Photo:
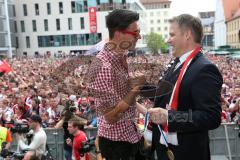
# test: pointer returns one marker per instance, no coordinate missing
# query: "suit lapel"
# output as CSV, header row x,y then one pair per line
x,y
170,77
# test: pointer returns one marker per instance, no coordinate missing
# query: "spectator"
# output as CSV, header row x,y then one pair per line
x,y
79,137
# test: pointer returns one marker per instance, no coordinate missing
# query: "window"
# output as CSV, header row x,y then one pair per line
x,y
36,54
85,4
239,36
48,8
14,11
45,24
151,14
70,23
24,9
15,26
79,6
82,23
36,9
25,54
159,28
58,24
17,45
73,7
60,7
68,40
151,21
152,29
34,25
165,28
27,42
158,21
22,26
165,21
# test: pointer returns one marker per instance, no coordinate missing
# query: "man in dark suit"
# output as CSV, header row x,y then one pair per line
x,y
193,107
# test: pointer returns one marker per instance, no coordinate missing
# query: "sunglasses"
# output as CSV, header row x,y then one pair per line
x,y
135,34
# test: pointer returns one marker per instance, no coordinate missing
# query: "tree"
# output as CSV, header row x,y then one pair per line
x,y
155,42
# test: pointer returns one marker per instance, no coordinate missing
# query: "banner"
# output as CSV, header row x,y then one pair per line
x,y
93,19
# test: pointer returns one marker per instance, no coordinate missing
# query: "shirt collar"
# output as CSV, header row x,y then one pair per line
x,y
184,56
113,55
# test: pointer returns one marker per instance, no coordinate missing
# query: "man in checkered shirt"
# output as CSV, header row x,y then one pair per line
x,y
114,91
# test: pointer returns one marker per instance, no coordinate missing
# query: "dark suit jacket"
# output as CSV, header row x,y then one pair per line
x,y
199,110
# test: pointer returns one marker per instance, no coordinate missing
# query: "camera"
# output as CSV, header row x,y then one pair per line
x,y
72,109
70,106
87,146
5,153
10,154
29,137
20,128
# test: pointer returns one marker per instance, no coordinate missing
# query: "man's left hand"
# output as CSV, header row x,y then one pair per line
x,y
158,115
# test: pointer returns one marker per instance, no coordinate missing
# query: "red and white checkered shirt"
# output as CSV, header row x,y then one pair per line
x,y
108,83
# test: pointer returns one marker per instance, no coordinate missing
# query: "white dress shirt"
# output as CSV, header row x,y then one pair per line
x,y
182,59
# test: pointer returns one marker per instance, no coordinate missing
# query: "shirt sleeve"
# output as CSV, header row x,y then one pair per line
x,y
103,89
94,122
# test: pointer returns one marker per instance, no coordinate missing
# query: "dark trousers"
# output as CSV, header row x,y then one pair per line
x,y
120,150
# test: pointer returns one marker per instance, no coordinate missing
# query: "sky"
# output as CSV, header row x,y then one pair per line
x,y
191,6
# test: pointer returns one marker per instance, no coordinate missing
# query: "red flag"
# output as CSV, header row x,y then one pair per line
x,y
5,67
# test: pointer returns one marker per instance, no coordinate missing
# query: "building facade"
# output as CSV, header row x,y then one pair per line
x,y
226,11
233,31
207,19
157,16
220,29
64,26
7,32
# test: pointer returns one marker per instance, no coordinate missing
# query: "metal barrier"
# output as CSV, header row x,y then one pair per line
x,y
224,142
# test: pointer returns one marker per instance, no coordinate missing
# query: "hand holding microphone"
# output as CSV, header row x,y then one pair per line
x,y
137,81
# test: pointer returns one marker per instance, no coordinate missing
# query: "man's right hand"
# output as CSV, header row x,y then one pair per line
x,y
69,142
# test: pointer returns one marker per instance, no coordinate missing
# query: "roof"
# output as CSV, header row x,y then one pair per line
x,y
154,1
230,8
237,14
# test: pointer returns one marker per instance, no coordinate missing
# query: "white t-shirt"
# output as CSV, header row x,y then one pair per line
x,y
38,143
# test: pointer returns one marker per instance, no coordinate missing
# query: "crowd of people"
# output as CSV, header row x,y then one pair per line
x,y
48,87
42,85
52,89
231,87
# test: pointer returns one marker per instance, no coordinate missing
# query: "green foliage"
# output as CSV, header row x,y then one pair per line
x,y
155,43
